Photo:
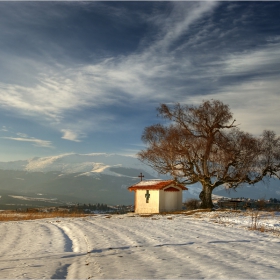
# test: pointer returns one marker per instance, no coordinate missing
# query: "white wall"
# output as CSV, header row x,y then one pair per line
x,y
171,201
142,206
160,201
180,200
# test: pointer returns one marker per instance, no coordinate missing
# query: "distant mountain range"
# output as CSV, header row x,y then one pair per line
x,y
88,164
89,178
70,178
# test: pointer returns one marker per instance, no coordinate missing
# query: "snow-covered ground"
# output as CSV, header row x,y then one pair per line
x,y
203,245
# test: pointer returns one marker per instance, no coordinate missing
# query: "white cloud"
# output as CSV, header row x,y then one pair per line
x,y
255,100
254,103
36,142
23,135
129,152
181,18
147,74
58,89
265,59
70,135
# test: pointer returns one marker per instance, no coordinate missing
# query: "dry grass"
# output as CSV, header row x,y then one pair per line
x,y
196,212
180,212
6,216
184,212
262,228
255,220
146,215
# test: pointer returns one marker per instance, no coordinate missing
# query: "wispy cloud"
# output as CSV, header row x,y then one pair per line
x,y
70,135
96,84
180,19
23,135
263,61
249,83
34,141
187,56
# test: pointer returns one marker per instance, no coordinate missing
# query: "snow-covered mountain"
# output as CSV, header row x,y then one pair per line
x,y
79,178
93,178
78,163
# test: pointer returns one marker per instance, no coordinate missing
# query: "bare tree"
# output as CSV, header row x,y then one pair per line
x,y
202,144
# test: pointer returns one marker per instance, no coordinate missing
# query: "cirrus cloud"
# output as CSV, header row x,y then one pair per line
x,y
34,141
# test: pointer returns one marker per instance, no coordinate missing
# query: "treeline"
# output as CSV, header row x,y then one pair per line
x,y
81,208
274,200
90,207
271,200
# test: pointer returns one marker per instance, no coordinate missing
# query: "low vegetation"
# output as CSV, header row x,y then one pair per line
x,y
192,204
20,216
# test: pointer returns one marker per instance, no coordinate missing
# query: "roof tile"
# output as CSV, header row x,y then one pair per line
x,y
155,185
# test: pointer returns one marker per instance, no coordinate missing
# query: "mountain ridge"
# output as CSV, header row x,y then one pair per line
x,y
77,163
79,178
95,178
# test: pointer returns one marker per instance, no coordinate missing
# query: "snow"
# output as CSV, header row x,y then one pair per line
x,y
203,245
33,198
148,183
78,163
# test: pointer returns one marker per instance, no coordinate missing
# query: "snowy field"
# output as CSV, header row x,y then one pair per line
x,y
203,245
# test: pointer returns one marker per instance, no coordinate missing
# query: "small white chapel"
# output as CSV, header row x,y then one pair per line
x,y
155,196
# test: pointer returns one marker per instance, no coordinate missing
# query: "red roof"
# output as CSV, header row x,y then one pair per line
x,y
171,189
155,185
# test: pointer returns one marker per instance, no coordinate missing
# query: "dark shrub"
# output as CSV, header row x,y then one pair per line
x,y
192,204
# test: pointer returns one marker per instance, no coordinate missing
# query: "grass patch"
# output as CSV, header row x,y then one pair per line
x,y
146,215
181,212
192,212
6,216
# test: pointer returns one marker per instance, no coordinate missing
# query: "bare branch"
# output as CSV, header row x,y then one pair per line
x,y
203,144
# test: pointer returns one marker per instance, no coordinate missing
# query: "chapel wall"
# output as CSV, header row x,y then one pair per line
x,y
161,201
152,206
170,201
179,200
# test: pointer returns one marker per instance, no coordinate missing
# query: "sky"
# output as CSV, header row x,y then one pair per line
x,y
87,77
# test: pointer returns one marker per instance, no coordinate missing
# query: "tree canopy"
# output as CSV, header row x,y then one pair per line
x,y
203,144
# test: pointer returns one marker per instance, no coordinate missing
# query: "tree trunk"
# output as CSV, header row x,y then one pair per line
x,y
206,197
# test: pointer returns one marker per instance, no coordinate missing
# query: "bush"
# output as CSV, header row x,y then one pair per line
x,y
192,204
261,204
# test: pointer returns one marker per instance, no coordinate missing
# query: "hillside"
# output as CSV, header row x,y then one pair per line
x,y
77,163
71,178
91,178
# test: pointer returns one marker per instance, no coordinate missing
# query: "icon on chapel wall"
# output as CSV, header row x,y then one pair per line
x,y
147,195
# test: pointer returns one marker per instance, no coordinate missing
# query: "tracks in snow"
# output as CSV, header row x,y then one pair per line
x,y
134,247
83,265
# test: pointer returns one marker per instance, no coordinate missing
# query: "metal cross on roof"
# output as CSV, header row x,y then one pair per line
x,y
141,176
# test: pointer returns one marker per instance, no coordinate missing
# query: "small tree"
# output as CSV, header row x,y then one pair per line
x,y
202,144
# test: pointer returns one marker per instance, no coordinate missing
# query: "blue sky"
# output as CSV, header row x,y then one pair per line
x,y
86,77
